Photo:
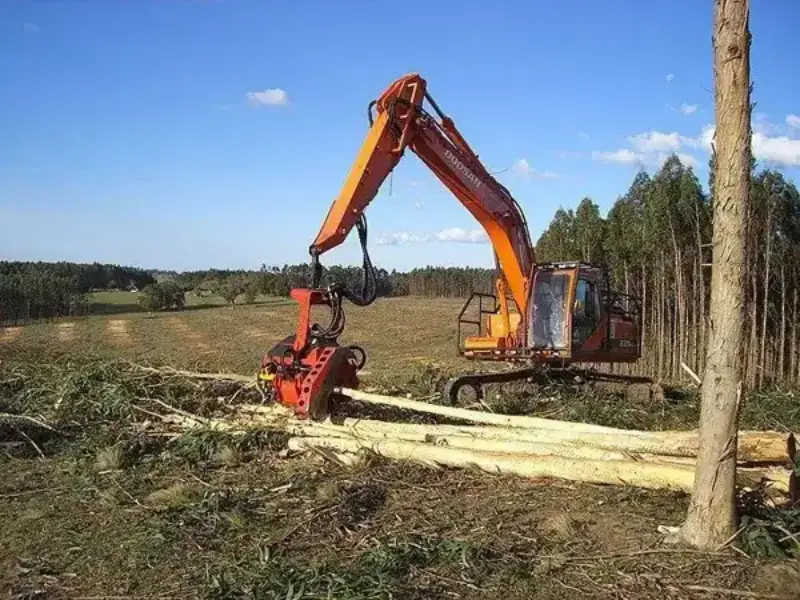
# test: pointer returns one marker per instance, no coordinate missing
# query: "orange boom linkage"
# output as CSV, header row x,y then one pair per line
x,y
302,370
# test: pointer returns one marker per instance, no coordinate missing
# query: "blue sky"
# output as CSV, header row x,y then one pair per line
x,y
185,135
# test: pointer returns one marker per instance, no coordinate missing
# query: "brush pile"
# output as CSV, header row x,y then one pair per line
x,y
167,402
521,445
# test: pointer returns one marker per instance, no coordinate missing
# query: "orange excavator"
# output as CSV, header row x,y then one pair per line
x,y
553,314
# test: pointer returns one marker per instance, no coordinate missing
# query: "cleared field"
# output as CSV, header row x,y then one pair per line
x,y
114,510
399,334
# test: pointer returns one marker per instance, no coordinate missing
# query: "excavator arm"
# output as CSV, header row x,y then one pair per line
x,y
401,123
302,370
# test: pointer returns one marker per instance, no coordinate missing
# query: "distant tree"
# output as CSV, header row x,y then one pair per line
x,y
165,295
251,289
232,288
207,287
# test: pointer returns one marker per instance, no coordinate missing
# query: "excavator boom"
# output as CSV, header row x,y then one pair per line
x,y
401,123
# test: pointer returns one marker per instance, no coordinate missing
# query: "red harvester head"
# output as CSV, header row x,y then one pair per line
x,y
301,371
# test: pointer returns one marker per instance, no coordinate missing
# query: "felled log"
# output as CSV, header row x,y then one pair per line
x,y
640,474
754,446
603,471
493,455
473,415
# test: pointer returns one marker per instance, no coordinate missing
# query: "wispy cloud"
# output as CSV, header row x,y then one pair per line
x,y
523,168
670,77
779,150
466,236
30,27
583,135
689,109
568,154
401,237
419,204
655,141
451,235
622,156
269,97
772,143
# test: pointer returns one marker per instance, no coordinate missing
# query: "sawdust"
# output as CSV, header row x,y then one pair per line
x,y
10,334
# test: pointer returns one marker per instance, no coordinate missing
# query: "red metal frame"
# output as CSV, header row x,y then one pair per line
x,y
303,370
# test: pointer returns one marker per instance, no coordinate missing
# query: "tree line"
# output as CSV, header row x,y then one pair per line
x,y
46,290
656,241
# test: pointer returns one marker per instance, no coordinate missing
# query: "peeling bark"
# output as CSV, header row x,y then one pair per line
x,y
711,518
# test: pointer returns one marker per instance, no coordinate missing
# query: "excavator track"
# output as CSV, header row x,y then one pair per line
x,y
542,373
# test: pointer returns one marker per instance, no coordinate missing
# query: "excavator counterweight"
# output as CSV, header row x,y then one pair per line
x,y
554,314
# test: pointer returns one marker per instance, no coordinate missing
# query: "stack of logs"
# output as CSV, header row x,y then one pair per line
x,y
521,445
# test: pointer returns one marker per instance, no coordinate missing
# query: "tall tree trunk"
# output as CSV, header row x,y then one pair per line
x,y
752,354
782,343
702,283
711,518
645,325
793,351
762,370
695,321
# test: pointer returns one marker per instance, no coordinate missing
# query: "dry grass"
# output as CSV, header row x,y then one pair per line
x,y
400,335
114,510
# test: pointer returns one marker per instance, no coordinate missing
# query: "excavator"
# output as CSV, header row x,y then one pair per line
x,y
551,315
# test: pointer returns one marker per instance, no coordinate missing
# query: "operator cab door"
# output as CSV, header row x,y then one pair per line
x,y
549,311
587,310
603,328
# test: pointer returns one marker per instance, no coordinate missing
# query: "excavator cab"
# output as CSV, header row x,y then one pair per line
x,y
573,316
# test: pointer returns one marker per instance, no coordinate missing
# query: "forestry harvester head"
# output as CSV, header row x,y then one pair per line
x,y
302,370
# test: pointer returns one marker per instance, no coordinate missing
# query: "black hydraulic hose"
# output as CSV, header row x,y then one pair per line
x,y
369,283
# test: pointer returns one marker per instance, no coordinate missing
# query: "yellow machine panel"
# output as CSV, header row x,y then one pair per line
x,y
496,328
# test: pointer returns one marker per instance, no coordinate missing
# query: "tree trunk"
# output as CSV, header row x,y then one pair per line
x,y
701,276
793,351
752,354
782,344
711,518
762,371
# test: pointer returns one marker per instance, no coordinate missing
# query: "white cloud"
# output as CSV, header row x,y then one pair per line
x,y
655,141
272,96
30,27
762,124
416,183
583,134
453,234
706,138
568,154
623,156
687,159
781,149
401,237
689,109
670,77
419,204
467,236
523,168
793,121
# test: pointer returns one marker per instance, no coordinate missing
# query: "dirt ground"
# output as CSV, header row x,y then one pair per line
x,y
105,510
